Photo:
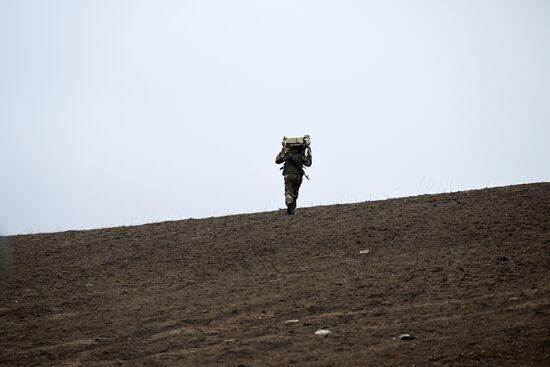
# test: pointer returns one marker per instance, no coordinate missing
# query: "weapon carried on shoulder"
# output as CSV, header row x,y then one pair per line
x,y
303,143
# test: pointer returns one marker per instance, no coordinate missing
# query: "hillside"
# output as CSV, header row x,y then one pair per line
x,y
467,274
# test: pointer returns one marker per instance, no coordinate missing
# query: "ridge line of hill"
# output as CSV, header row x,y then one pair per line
x,y
300,209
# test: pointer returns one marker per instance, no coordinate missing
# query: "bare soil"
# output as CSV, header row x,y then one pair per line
x,y
467,274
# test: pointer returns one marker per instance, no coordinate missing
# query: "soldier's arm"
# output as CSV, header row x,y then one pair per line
x,y
281,157
306,160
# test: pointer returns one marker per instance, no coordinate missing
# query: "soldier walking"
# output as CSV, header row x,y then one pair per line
x,y
295,154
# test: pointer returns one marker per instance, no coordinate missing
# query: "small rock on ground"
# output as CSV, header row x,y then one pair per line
x,y
406,337
322,332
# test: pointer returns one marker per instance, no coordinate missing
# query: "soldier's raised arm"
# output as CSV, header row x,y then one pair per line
x,y
306,159
281,157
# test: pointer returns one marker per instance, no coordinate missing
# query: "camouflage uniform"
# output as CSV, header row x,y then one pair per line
x,y
293,172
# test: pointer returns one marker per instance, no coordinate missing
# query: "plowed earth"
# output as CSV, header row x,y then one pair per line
x,y
467,274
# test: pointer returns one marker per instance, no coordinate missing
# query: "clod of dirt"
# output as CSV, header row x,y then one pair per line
x,y
322,332
406,337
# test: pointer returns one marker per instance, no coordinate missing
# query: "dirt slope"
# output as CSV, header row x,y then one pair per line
x,y
466,273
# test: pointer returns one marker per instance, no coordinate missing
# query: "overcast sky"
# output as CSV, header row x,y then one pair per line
x,y
118,112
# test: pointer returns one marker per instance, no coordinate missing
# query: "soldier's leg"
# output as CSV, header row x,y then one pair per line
x,y
296,183
289,197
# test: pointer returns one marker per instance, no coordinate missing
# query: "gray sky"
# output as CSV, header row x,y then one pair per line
x,y
125,112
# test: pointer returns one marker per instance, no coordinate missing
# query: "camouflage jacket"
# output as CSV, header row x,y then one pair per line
x,y
294,162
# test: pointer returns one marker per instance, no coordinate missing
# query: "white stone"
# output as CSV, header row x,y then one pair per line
x,y
322,332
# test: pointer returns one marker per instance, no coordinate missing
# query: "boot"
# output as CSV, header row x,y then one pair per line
x,y
290,209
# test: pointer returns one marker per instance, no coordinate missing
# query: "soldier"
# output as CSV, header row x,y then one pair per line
x,y
295,157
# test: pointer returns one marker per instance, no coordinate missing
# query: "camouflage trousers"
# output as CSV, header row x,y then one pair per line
x,y
292,188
